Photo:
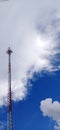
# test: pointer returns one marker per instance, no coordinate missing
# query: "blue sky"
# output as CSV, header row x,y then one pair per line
x,y
27,113
32,29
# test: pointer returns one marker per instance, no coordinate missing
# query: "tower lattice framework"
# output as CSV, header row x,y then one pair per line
x,y
9,115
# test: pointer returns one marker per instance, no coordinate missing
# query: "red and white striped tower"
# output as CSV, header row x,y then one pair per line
x,y
9,120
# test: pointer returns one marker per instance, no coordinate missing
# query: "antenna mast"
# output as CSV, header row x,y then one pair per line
x,y
9,120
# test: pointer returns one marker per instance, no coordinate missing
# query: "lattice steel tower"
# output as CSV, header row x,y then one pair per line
x,y
9,117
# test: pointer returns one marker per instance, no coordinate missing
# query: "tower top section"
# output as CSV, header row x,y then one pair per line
x,y
9,51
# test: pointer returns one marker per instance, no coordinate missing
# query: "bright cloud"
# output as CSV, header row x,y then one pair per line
x,y
51,109
32,30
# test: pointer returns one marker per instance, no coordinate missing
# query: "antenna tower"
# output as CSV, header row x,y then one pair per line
x,y
9,118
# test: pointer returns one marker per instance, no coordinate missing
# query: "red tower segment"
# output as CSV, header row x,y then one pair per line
x,y
10,126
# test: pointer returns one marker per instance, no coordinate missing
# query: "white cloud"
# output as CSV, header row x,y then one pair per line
x,y
31,29
51,109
